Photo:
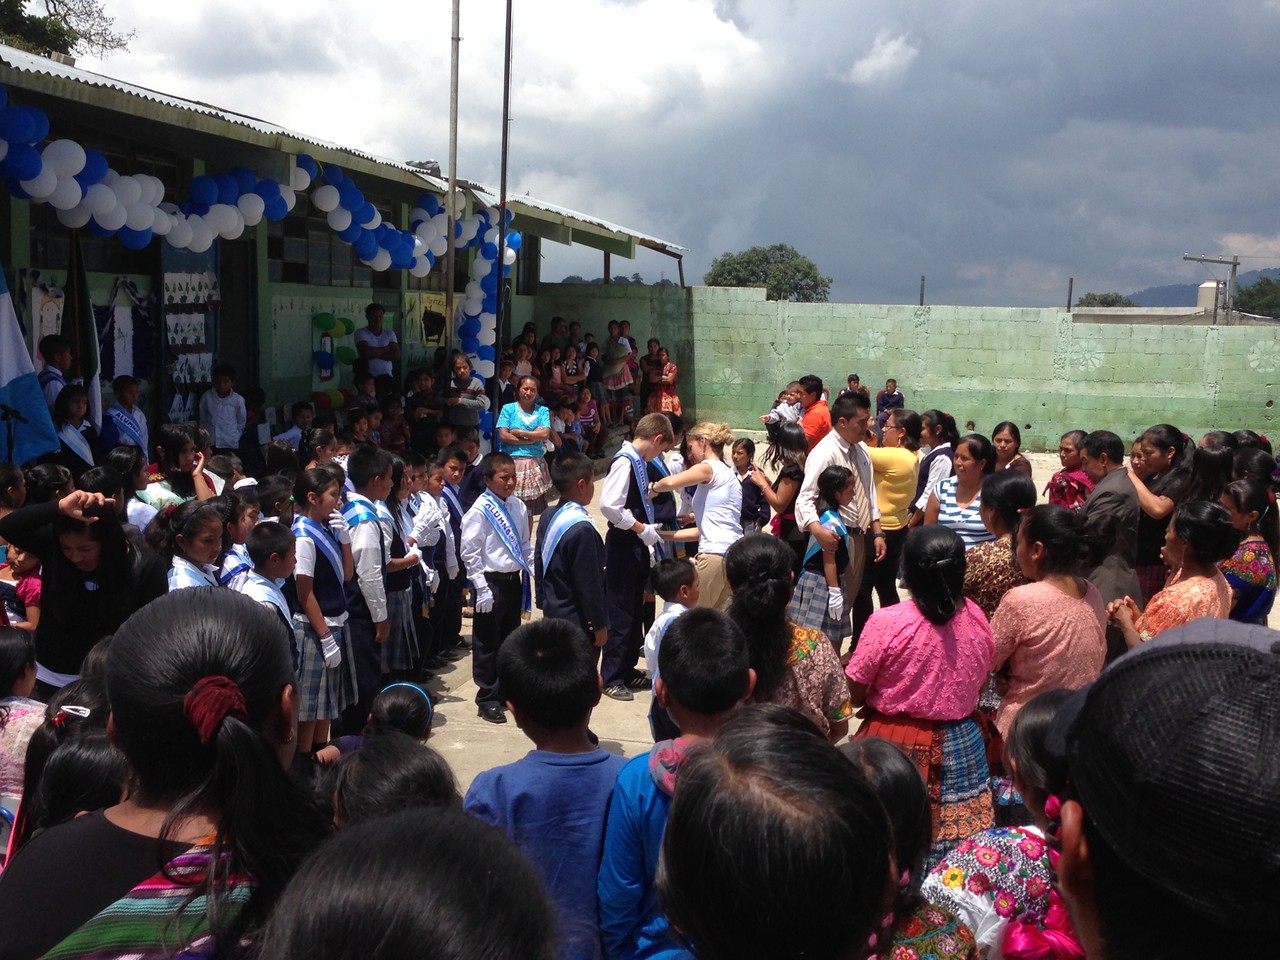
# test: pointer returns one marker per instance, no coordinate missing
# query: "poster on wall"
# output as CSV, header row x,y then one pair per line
x,y
190,302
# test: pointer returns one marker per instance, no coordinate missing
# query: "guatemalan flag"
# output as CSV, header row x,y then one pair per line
x,y
20,390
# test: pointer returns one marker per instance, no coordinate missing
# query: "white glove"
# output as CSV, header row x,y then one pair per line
x,y
432,577
415,553
835,603
649,535
484,600
332,652
338,527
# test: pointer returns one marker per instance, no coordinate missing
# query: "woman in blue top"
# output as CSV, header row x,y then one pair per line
x,y
957,501
523,429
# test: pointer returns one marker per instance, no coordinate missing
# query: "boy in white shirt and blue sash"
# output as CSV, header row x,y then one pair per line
x,y
124,422
272,549
498,555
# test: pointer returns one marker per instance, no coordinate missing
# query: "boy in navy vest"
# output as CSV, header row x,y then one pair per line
x,y
569,559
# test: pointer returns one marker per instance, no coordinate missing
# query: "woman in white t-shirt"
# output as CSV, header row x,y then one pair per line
x,y
717,508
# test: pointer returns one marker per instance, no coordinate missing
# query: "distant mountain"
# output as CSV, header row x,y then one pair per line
x,y
1184,294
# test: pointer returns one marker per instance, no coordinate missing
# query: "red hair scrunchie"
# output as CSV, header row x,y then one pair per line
x,y
210,702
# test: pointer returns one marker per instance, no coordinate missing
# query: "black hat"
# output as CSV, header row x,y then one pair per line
x,y
1174,753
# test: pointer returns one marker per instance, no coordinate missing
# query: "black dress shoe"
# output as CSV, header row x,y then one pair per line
x,y
450,656
493,712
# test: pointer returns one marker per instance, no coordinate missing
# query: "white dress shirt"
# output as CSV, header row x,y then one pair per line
x,y
484,551
223,417
833,451
613,492
371,551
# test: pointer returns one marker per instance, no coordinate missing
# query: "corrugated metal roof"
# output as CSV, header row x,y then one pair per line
x,y
24,62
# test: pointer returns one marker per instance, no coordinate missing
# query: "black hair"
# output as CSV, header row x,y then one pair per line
x,y
905,798
933,564
301,406
281,459
436,884
127,460
466,435
747,444
945,423
703,661
1251,440
83,773
776,846
316,480
62,404
980,448
1210,472
391,772
1075,436
1207,529
366,463
911,425
388,401
224,465
811,384
44,480
1053,525
1173,481
1012,429
157,659
124,382
1101,442
17,656
491,463
51,344
568,468
1040,772
104,480
401,706
758,568
1218,439
668,576
10,476
171,440
1008,493
847,407
1253,463
273,491
186,520
269,539
454,452
830,482
397,481
787,445
224,370
94,665
1250,495
546,668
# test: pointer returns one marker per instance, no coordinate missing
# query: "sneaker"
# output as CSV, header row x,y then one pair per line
x,y
618,691
637,681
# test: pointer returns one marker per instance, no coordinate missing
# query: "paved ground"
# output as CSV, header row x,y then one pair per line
x,y
472,745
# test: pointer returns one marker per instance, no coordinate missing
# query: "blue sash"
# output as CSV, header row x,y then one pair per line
x,y
641,475
127,425
259,588
568,515
235,563
49,374
455,505
306,527
357,512
831,520
495,511
183,573
76,442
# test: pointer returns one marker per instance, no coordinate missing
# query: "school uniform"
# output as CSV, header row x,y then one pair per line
x,y
236,567
422,521
319,556
568,567
261,590
498,556
471,485
183,573
51,380
400,649
121,426
80,448
623,502
661,726
292,436
446,612
366,603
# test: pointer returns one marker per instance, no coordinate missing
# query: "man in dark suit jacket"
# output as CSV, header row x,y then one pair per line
x,y
1108,522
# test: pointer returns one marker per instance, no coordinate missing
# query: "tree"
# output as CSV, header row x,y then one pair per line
x,y
1262,298
69,26
785,273
1104,300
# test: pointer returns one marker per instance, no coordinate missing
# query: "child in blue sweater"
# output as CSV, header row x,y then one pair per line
x,y
552,803
703,677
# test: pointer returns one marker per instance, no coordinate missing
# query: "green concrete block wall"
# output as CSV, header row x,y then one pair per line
x,y
981,364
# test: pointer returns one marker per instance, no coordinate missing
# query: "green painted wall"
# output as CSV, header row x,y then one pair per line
x,y
983,364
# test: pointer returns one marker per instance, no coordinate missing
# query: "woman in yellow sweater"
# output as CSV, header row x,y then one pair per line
x,y
897,463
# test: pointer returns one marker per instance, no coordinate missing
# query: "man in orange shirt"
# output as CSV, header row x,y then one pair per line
x,y
816,418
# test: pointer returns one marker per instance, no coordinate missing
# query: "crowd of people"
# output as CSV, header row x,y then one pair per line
x,y
215,718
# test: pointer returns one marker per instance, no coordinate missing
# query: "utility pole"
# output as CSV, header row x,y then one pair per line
x,y
1234,264
450,257
1071,282
922,289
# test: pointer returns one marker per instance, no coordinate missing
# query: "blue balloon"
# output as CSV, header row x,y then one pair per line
x,y
382,231
490,283
204,190
95,168
333,175
246,179
513,241
98,230
268,190
307,163
470,344
350,197
457,229
351,234
430,203
469,327
134,239
366,245
431,259
366,212
490,303
15,188
276,209
4,98
228,189
23,161
489,251
16,125
39,121
323,359
200,209
487,353
506,270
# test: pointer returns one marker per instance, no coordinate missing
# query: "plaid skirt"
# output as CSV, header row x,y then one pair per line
x,y
952,757
533,479
808,608
318,685
400,649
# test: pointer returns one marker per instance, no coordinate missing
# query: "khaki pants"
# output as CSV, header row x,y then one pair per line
x,y
858,544
713,585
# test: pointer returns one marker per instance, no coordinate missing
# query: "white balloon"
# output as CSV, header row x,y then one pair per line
x,y
113,219
251,207
180,233
508,256
480,268
162,225
381,260
418,215
421,267
325,198
66,194
299,179
75,218
373,222
441,221
155,194
140,217
170,208
459,203
472,291
488,321
42,184
439,247
427,232
65,156
470,227
339,219
110,177
472,307
491,235
290,198
484,367
487,336
235,227
128,191
418,247
215,217
201,235
100,198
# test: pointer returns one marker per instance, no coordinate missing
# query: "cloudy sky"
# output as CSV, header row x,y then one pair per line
x,y
997,146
